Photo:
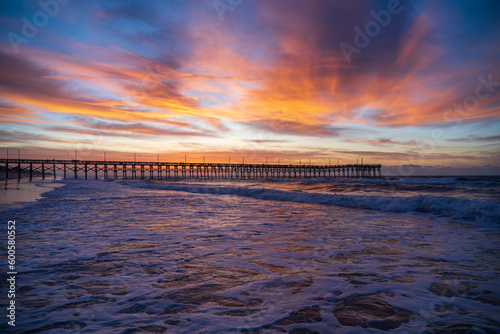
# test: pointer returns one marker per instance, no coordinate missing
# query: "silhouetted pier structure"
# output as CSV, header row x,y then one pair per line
x,y
167,170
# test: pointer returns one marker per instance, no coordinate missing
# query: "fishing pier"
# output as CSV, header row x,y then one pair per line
x,y
13,168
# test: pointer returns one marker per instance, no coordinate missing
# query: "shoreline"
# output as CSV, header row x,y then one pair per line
x,y
206,262
22,191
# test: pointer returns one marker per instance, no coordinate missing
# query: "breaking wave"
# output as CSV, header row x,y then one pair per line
x,y
477,210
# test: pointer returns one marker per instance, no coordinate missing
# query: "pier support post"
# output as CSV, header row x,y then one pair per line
x,y
193,170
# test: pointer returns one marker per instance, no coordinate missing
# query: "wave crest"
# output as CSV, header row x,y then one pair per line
x,y
476,210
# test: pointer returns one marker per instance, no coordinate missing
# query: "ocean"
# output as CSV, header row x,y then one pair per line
x,y
398,255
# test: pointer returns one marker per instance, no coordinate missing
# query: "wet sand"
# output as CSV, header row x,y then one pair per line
x,y
24,191
126,261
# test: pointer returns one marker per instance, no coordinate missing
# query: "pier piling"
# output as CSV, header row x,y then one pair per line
x,y
196,170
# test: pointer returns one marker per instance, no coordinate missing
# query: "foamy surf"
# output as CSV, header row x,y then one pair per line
x,y
475,210
237,257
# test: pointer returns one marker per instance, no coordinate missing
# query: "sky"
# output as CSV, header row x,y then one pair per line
x,y
413,84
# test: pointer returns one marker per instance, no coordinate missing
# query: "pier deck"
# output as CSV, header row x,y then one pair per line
x,y
164,170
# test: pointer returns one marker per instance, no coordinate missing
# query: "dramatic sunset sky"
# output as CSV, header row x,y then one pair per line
x,y
414,84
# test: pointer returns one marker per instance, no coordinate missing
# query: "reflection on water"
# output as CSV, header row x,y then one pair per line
x,y
107,257
23,191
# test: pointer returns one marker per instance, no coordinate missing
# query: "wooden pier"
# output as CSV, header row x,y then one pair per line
x,y
167,170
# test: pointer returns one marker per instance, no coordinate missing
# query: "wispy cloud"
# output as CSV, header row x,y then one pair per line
x,y
167,70
295,128
476,139
387,141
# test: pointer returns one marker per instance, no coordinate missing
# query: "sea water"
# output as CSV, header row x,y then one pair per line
x,y
402,255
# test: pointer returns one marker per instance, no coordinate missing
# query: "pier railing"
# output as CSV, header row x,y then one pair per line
x,y
164,170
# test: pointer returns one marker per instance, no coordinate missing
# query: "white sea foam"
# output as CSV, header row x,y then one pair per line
x,y
476,210
401,180
114,256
